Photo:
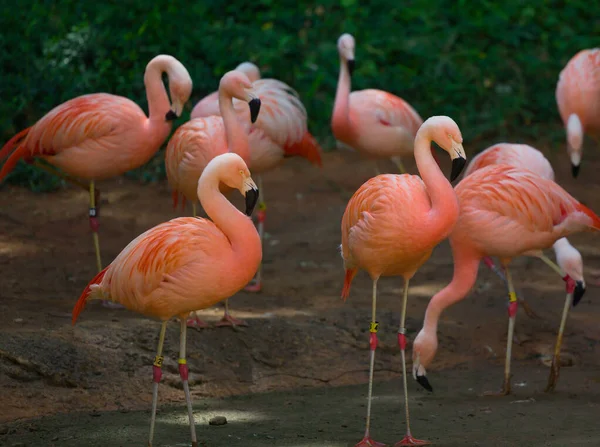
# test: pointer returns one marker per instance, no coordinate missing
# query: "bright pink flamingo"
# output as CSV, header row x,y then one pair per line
x,y
279,132
186,264
392,224
374,122
209,105
504,212
197,142
578,99
570,262
99,135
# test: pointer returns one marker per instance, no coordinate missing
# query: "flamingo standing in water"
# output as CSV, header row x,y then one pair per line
x,y
374,122
392,224
570,262
578,99
280,132
186,264
209,105
99,135
504,212
197,142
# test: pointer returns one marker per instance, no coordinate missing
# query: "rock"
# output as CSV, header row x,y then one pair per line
x,y
218,420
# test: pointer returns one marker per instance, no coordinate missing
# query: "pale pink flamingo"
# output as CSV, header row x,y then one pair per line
x,y
504,212
100,135
392,224
279,132
570,262
209,105
376,123
578,99
197,142
186,264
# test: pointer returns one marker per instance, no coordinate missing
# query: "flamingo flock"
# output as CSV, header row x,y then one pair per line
x,y
507,205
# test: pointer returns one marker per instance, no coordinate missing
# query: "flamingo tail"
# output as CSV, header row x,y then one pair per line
x,y
350,273
18,154
12,143
81,302
307,148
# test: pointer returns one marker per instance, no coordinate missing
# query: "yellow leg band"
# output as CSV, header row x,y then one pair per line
x,y
158,361
182,361
374,327
512,297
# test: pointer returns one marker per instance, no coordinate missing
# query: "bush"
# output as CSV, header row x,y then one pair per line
x,y
492,66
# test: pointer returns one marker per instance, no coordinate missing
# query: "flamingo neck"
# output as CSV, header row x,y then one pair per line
x,y
340,122
237,135
158,100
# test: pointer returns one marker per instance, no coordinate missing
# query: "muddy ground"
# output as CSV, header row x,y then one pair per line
x,y
297,375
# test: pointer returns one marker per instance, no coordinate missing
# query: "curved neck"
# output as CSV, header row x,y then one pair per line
x,y
233,223
340,121
466,266
237,135
158,100
444,204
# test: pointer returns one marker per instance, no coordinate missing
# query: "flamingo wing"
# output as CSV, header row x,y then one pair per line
x,y
386,109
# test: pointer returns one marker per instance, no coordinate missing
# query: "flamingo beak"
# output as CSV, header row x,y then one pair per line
x,y
251,195
575,170
420,375
254,105
170,116
351,65
459,159
578,292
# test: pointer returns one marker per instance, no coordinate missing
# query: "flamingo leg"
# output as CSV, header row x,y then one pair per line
x,y
373,327
51,170
408,438
156,375
194,214
256,283
512,316
228,320
555,367
183,372
398,162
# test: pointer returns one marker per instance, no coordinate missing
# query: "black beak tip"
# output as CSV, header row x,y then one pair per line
x,y
351,65
575,170
424,383
171,116
251,199
458,165
578,292
254,109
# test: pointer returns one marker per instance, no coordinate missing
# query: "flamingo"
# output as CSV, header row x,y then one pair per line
x,y
504,212
197,142
570,262
209,105
374,122
99,135
185,264
578,100
392,224
280,132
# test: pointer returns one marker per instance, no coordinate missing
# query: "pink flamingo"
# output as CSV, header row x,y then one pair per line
x,y
99,135
374,122
570,262
392,224
186,264
578,99
209,105
504,212
280,132
197,142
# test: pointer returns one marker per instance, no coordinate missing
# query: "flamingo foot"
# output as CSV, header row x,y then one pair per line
x,y
368,442
553,377
197,323
112,305
228,320
409,440
505,391
254,286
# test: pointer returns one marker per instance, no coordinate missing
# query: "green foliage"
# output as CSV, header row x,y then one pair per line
x,y
492,66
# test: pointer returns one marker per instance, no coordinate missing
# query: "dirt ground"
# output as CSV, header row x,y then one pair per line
x,y
297,375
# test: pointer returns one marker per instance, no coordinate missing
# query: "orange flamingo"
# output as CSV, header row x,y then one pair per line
x,y
578,99
375,123
197,142
186,264
392,224
209,105
99,135
280,132
504,212
568,258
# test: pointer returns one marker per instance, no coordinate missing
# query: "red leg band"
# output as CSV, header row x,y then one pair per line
x,y
570,284
156,373
373,341
402,341
512,308
183,371
261,215
94,224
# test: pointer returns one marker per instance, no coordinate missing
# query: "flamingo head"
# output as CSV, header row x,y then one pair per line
x,y
234,173
237,85
345,46
180,88
574,142
423,352
570,261
445,132
250,70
